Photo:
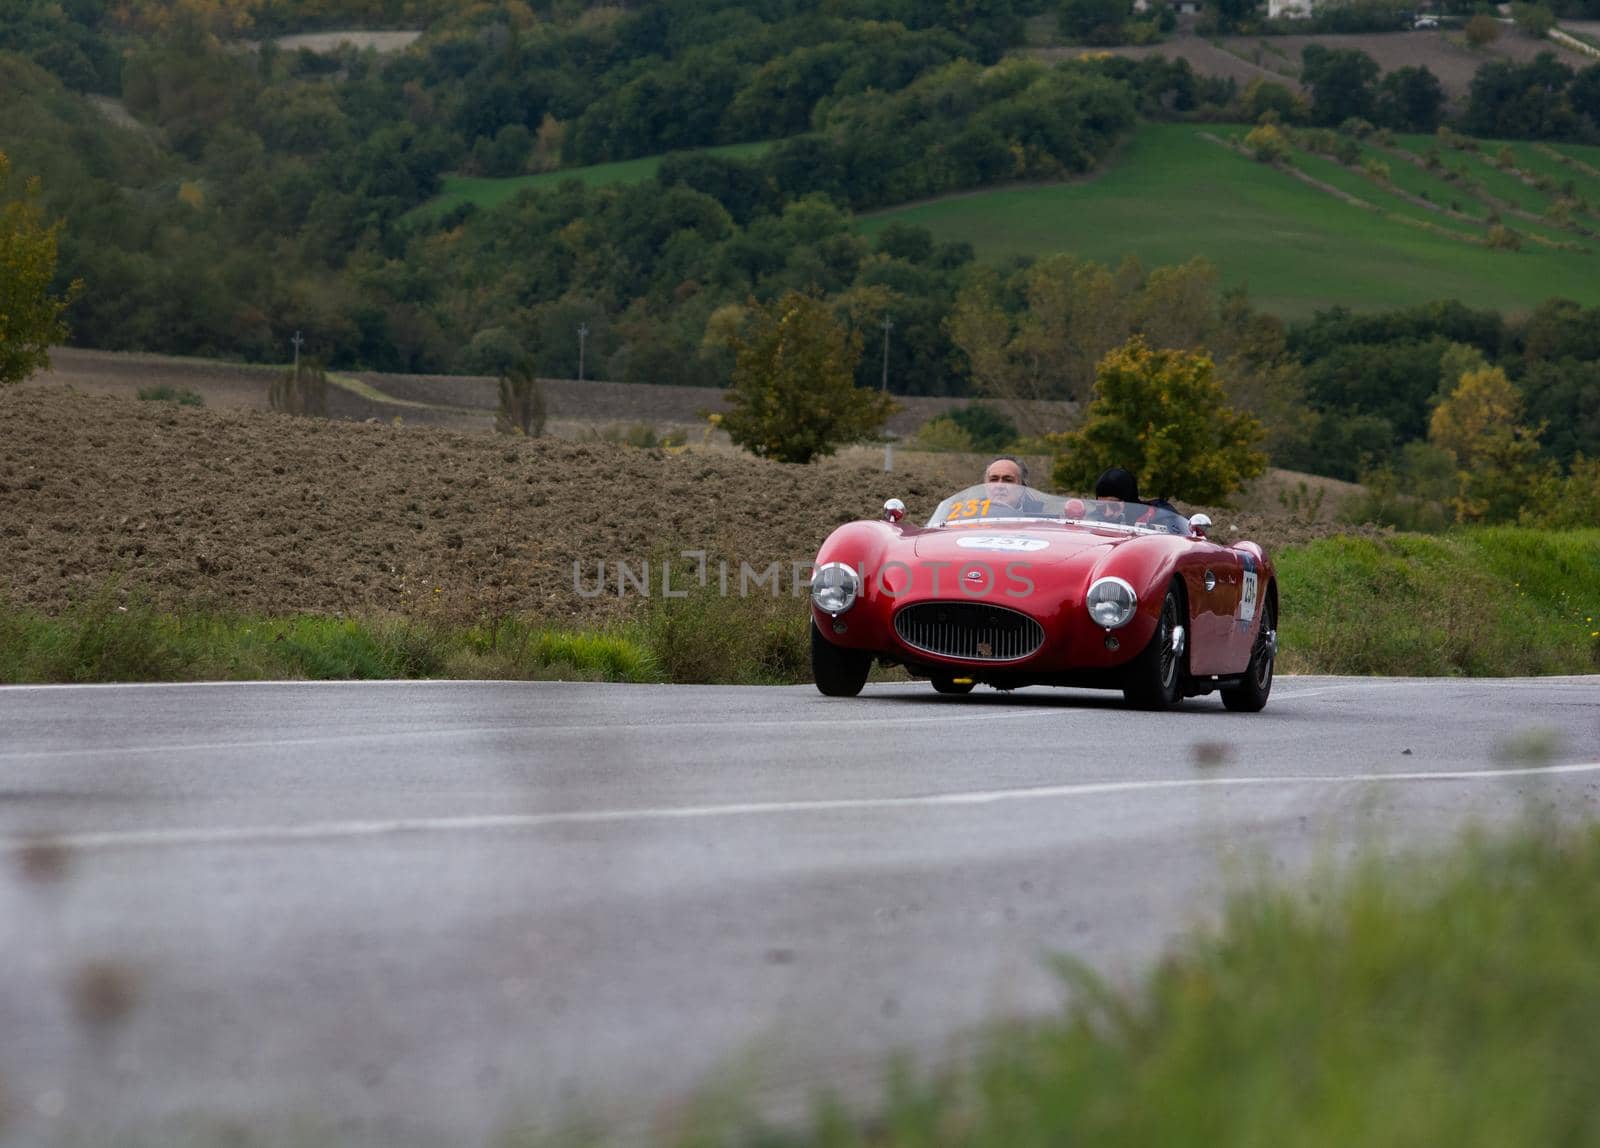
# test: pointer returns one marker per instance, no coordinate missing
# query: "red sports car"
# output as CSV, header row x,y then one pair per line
x,y
1010,587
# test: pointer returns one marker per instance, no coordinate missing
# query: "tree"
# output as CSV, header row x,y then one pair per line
x,y
30,316
1409,100
1482,30
1340,80
1584,93
1094,21
1533,20
793,395
1164,416
1497,459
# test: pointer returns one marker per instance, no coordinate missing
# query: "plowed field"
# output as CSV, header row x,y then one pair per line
x,y
245,511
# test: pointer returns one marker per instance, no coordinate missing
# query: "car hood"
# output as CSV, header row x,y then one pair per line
x,y
1051,546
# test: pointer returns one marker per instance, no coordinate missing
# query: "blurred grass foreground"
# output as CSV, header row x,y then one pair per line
x,y
1447,1001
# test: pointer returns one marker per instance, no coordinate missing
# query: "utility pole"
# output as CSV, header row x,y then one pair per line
x,y
297,340
583,336
888,325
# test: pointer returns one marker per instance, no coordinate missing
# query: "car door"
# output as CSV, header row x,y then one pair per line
x,y
1216,583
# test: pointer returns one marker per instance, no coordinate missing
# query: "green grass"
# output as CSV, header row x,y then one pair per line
x,y
101,641
1501,601
484,192
1446,1000
1170,195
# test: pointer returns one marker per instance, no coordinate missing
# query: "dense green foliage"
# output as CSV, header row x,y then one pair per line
x,y
30,315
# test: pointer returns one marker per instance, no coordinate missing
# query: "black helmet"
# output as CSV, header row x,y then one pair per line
x,y
1114,482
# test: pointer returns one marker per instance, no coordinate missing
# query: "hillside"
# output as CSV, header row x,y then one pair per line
x,y
1173,194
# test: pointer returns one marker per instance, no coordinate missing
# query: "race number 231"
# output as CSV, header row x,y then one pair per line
x,y
971,508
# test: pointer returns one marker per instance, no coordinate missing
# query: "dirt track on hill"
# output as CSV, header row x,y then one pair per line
x,y
454,402
1277,58
261,513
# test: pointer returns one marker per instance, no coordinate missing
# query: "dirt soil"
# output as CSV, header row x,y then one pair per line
x,y
1443,52
239,510
457,402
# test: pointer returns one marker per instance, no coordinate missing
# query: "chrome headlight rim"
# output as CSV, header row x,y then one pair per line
x,y
1116,593
835,586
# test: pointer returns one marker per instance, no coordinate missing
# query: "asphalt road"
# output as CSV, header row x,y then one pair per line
x,y
426,913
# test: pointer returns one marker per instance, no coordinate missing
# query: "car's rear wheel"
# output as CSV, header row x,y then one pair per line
x,y
838,672
947,685
1155,679
1251,695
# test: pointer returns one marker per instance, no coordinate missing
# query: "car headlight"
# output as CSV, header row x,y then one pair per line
x,y
1111,603
834,587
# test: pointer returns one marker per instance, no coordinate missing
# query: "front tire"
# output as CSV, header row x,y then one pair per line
x,y
1250,696
1155,679
838,672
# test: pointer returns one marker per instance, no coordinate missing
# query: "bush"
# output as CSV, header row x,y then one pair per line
x,y
989,429
1502,238
522,403
170,394
942,435
301,390
1267,143
1482,30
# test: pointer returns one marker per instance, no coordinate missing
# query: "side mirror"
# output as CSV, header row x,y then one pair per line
x,y
1200,523
894,510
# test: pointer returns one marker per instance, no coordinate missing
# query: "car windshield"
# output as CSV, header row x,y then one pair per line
x,y
993,501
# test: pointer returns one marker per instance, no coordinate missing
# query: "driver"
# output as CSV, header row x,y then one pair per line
x,y
1007,479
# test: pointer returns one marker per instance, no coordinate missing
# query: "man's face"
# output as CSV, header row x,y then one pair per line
x,y
1005,481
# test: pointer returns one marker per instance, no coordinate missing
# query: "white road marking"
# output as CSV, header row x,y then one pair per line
x,y
266,834
586,729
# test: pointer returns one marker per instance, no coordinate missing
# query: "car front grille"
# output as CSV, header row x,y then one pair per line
x,y
974,631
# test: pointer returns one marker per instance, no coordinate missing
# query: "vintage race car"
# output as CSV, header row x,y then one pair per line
x,y
1009,586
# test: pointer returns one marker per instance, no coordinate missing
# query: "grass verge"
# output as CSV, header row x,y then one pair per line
x,y
1448,1000
1501,601
100,641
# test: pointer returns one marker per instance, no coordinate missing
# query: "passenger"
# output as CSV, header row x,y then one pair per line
x,y
1118,492
1118,489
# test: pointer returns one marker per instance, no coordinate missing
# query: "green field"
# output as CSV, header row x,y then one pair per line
x,y
1171,195
485,192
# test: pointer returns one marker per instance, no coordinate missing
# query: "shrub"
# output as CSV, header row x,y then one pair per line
x,y
989,428
1502,238
301,390
1482,30
942,435
169,394
522,403
1267,143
